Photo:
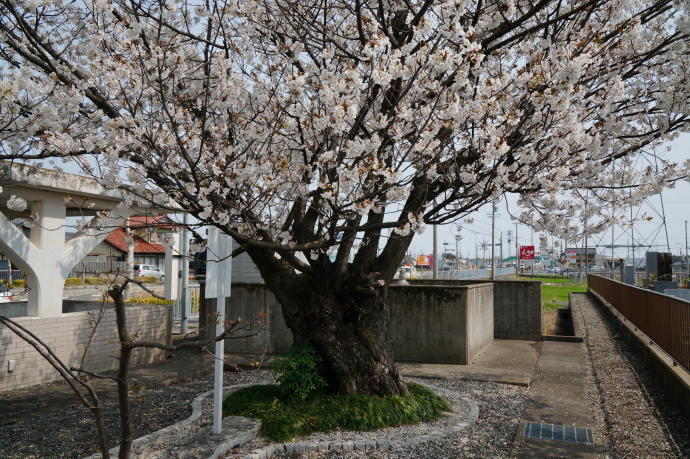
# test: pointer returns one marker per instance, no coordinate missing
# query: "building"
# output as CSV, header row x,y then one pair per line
x,y
146,231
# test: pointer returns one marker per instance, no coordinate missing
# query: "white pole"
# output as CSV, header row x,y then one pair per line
x,y
493,240
221,250
185,277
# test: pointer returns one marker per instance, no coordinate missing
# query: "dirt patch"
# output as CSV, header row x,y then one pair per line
x,y
548,321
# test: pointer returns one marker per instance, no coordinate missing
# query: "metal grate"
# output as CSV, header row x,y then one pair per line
x,y
558,433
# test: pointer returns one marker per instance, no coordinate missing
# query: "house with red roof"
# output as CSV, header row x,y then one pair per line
x,y
146,250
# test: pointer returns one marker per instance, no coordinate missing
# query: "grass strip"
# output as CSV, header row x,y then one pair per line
x,y
553,294
326,411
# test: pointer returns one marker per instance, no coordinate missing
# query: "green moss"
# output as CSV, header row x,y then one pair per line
x,y
324,411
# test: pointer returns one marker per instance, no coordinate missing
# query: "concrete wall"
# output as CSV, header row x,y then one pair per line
x,y
66,335
439,325
14,309
517,305
450,325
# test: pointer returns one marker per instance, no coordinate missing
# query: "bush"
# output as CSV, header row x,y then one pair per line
x,y
282,422
72,281
148,300
147,279
297,372
19,283
97,281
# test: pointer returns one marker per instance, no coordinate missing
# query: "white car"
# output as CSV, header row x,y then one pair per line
x,y
148,270
410,272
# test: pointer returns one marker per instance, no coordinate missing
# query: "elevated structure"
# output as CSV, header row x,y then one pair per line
x,y
38,245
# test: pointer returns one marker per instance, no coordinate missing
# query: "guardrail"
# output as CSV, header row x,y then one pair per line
x,y
465,273
664,319
16,275
192,305
97,267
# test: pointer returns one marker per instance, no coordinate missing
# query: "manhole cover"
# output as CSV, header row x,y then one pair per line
x,y
558,433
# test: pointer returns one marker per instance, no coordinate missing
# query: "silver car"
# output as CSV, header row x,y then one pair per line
x,y
148,270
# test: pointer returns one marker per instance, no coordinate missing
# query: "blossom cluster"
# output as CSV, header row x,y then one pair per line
x,y
266,116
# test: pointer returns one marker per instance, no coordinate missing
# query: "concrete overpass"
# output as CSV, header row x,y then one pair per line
x,y
41,250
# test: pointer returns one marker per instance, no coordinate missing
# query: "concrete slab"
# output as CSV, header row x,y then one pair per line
x,y
558,396
504,361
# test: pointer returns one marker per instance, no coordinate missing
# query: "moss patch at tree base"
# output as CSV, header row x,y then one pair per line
x,y
325,411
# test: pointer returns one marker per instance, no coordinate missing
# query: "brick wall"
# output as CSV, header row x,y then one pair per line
x,y
67,335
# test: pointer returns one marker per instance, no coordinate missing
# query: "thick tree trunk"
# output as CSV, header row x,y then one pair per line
x,y
351,331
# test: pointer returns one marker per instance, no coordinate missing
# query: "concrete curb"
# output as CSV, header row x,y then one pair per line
x,y
281,449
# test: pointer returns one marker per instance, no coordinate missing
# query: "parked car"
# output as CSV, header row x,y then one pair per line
x,y
148,270
410,272
5,294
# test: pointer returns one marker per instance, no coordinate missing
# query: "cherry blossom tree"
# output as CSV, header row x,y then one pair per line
x,y
312,131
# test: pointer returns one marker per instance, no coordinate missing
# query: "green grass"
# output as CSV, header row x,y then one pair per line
x,y
552,294
325,411
552,280
555,290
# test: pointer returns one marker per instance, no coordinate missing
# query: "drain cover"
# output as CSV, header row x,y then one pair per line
x,y
558,433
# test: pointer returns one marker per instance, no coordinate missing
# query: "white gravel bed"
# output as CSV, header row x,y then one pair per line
x,y
491,435
634,417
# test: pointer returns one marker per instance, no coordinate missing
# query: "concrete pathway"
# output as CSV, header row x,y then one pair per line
x,y
558,397
558,403
504,361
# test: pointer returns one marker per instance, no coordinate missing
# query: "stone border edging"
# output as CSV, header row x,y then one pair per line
x,y
302,447
281,449
197,410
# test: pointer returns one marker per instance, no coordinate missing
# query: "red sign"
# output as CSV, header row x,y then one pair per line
x,y
526,252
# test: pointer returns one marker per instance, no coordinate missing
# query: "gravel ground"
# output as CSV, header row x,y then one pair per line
x,y
70,433
635,418
628,404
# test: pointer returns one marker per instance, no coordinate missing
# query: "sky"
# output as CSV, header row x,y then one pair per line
x,y
676,208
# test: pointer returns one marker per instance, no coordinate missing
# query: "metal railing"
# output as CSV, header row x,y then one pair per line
x,y
192,305
98,267
664,319
16,275
465,273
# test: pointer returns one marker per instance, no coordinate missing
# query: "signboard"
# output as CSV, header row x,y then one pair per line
x,y
423,260
527,254
571,255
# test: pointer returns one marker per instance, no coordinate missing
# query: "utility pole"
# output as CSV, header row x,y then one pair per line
x,y
501,262
686,247
476,253
493,240
517,252
613,259
457,253
435,253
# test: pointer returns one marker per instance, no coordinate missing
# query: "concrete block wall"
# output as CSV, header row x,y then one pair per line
x,y
66,336
517,305
448,325
439,325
